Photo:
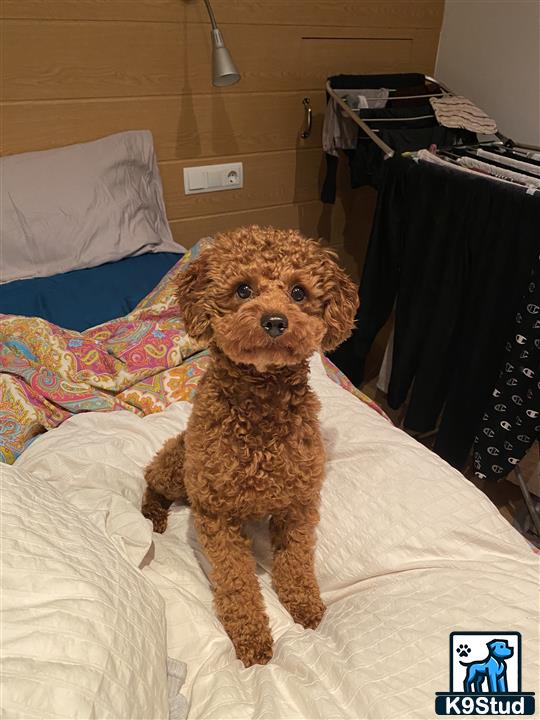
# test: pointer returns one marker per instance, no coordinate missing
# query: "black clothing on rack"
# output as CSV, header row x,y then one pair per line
x,y
420,116
511,422
453,251
373,82
409,134
405,83
367,160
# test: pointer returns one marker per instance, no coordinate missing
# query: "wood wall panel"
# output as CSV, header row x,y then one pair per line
x,y
344,229
183,126
306,215
76,70
269,179
189,230
345,13
70,59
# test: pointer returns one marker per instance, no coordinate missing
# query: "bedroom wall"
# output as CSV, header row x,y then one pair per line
x,y
490,52
75,70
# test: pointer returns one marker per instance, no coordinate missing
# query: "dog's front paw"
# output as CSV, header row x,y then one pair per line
x,y
155,511
308,613
253,648
159,522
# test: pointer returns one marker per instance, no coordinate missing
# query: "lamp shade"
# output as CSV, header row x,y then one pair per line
x,y
224,70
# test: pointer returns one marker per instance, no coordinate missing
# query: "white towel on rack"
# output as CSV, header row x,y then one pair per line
x,y
455,111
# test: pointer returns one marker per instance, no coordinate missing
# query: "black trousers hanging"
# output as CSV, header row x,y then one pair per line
x,y
453,252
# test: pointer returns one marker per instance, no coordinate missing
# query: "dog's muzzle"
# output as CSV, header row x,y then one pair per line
x,y
275,325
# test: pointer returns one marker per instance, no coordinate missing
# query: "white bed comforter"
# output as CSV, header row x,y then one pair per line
x,y
408,551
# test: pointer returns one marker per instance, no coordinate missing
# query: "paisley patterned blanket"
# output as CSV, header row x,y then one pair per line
x,y
141,362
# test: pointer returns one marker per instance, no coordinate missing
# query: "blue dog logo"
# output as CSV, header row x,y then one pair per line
x,y
485,676
492,669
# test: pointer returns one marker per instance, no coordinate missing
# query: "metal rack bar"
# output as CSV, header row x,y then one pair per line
x,y
398,119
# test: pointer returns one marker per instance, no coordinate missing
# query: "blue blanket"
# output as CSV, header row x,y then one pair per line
x,y
80,299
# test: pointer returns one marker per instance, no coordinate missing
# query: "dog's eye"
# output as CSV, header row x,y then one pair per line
x,y
298,293
244,291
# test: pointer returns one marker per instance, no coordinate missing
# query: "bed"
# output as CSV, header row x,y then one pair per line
x,y
104,619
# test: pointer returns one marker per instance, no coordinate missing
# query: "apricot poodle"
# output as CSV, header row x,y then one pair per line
x,y
264,301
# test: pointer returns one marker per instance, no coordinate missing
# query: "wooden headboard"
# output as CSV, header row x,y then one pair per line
x,y
75,70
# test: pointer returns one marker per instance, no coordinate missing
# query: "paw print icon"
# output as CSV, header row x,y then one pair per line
x,y
463,650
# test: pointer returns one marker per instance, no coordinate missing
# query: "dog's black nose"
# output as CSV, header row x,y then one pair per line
x,y
274,325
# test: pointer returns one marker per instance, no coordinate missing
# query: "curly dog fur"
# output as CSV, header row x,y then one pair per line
x,y
252,447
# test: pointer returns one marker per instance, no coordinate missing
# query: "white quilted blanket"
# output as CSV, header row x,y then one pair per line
x,y
408,551
83,636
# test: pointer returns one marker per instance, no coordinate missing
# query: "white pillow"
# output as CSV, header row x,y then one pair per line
x,y
80,206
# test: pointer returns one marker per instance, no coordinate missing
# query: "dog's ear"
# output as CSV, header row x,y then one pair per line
x,y
192,297
341,304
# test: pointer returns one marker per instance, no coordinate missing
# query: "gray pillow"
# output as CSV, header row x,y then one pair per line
x,y
80,206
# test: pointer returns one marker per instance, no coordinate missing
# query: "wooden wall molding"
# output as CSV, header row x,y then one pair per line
x,y
346,13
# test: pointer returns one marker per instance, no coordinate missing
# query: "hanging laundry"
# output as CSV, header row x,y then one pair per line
x,y
511,421
455,111
498,172
453,251
520,165
398,111
340,132
475,168
374,98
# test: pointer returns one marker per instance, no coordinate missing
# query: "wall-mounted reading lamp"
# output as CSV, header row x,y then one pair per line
x,y
224,70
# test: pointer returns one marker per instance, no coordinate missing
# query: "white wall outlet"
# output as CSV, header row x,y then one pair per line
x,y
210,178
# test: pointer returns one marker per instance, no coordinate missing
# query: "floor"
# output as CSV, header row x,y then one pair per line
x,y
504,494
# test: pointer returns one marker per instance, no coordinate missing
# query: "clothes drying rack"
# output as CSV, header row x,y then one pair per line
x,y
497,139
388,152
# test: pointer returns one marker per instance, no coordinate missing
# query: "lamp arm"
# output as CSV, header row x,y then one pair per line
x,y
211,14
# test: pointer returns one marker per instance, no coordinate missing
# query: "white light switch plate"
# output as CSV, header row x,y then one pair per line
x,y
211,178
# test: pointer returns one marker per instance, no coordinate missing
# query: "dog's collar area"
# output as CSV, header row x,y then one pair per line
x,y
247,372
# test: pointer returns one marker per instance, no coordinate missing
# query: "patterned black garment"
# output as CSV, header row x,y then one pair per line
x,y
511,422
453,253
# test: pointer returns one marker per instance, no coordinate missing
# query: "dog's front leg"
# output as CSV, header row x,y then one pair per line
x,y
237,595
293,570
